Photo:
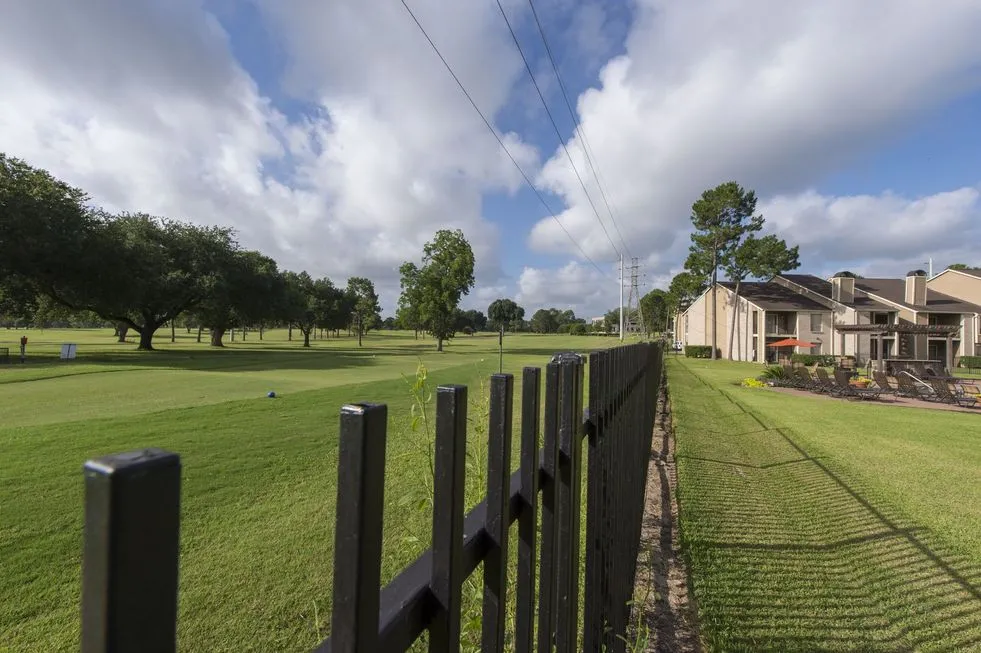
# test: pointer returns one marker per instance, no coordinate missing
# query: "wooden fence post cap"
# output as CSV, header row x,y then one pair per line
x,y
132,462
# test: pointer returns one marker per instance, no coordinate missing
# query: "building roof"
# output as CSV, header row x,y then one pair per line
x,y
823,288
773,297
974,272
894,290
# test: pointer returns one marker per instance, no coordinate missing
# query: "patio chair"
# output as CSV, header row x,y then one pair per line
x,y
913,388
806,381
847,390
948,396
827,384
882,380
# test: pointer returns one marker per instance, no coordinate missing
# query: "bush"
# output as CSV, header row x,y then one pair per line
x,y
753,383
700,351
973,362
811,359
578,329
774,372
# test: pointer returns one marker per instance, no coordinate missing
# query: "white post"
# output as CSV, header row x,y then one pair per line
x,y
621,297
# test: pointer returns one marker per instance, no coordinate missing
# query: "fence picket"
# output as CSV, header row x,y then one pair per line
x,y
498,477
358,534
568,511
448,486
549,546
130,552
527,522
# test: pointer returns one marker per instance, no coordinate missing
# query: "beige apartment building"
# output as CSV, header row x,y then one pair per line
x,y
809,308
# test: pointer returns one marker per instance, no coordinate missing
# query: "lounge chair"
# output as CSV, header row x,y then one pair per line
x,y
948,396
805,381
827,384
847,390
882,380
910,386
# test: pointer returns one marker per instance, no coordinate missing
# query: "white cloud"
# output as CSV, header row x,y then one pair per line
x,y
578,286
882,235
771,93
143,105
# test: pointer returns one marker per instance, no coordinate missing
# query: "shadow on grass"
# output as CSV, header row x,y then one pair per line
x,y
788,555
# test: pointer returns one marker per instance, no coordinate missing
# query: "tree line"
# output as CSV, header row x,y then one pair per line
x,y
63,259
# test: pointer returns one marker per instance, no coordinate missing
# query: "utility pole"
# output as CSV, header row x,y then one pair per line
x,y
621,297
634,322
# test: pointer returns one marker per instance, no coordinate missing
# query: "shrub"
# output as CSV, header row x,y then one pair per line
x,y
811,359
578,329
972,362
774,372
699,351
752,383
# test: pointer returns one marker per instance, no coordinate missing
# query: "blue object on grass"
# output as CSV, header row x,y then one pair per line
x,y
271,394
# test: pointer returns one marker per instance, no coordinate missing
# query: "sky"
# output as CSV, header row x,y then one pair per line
x,y
330,135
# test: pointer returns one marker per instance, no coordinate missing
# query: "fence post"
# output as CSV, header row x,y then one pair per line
x,y
597,535
131,551
569,477
358,528
528,522
448,491
496,520
549,546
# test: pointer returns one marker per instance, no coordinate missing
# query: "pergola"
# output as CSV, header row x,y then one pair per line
x,y
879,330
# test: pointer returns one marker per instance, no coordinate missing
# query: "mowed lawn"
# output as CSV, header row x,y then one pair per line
x,y
824,525
258,499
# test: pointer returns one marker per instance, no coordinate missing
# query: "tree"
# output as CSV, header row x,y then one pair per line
x,y
445,277
366,311
545,320
961,266
722,217
407,313
504,313
655,307
470,320
312,303
685,288
160,269
762,258
611,321
244,291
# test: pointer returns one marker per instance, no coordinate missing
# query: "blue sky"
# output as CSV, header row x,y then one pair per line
x,y
330,136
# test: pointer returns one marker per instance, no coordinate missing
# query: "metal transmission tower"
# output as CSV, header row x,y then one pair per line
x,y
633,318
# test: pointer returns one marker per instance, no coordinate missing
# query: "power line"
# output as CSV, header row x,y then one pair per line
x,y
581,131
558,133
498,138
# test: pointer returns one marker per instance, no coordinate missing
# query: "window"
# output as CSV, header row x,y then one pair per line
x,y
756,322
816,322
880,318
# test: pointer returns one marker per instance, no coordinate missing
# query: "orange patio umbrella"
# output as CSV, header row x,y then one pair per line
x,y
792,342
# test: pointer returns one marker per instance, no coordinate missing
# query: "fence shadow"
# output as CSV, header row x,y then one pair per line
x,y
796,558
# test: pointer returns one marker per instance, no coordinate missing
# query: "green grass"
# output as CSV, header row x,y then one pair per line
x,y
259,475
823,525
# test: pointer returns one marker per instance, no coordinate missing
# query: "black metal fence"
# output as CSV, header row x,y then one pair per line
x,y
130,558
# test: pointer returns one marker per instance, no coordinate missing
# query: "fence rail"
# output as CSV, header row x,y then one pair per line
x,y
130,558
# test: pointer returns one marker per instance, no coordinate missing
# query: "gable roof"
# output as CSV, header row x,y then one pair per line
x,y
894,290
823,288
773,297
971,272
